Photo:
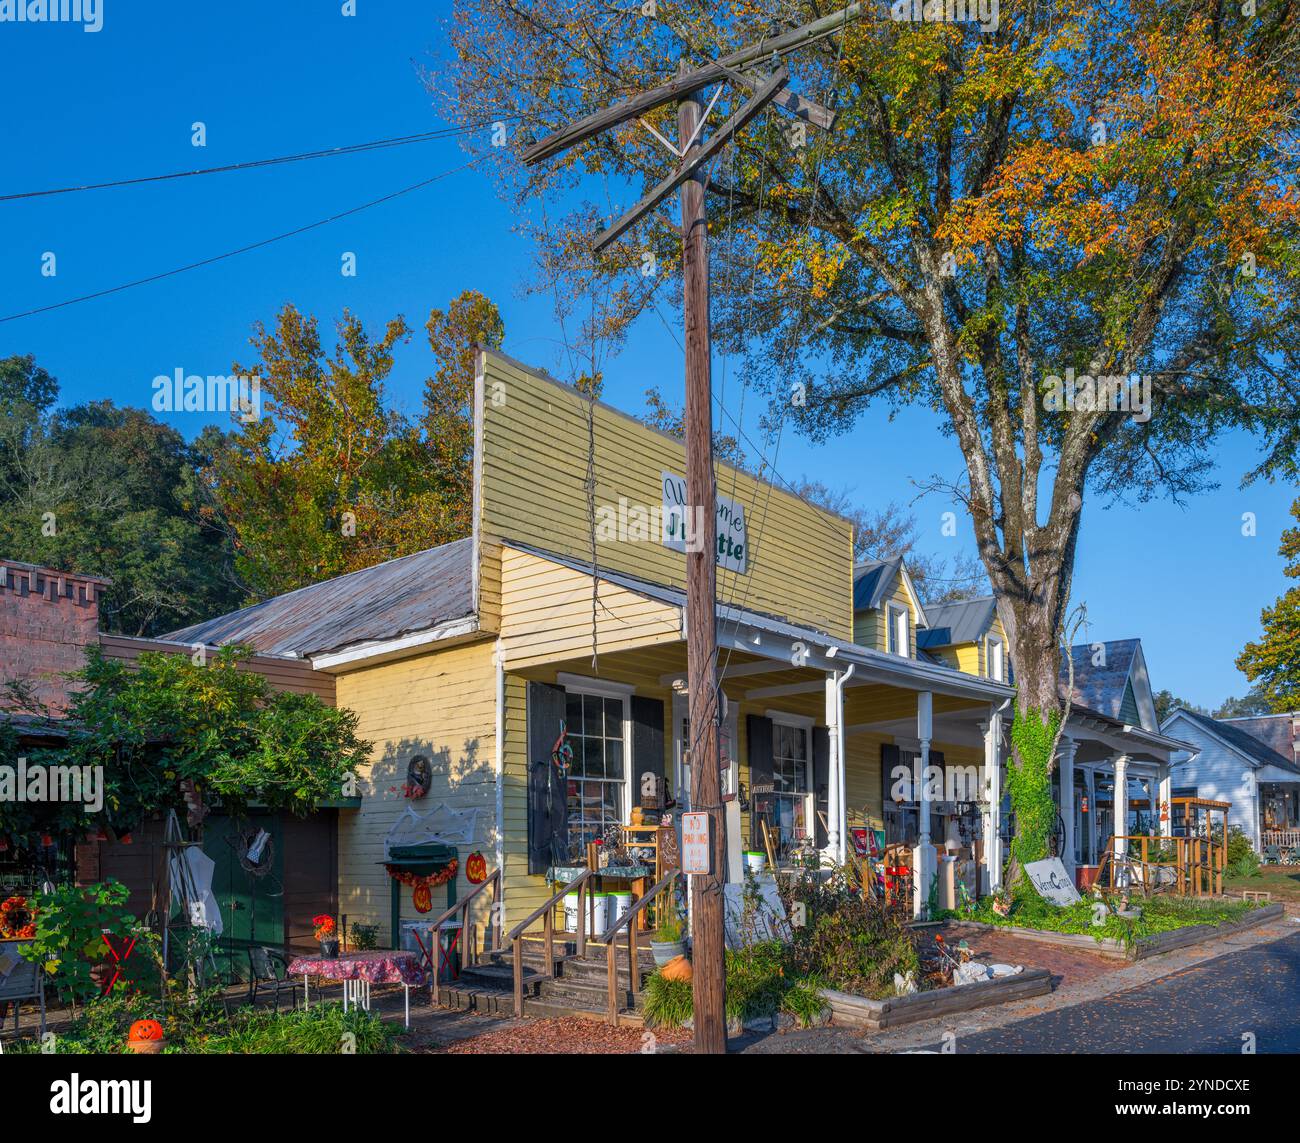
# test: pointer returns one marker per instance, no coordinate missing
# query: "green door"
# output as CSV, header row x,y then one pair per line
x,y
250,895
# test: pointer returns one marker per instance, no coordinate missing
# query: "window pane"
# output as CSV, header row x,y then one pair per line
x,y
614,758
573,713
595,758
798,743
613,718
593,723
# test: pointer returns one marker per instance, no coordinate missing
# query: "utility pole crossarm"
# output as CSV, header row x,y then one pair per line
x,y
688,83
697,157
792,101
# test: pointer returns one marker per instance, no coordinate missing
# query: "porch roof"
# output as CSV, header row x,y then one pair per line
x,y
772,637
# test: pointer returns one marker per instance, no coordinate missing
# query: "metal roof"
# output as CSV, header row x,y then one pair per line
x,y
872,582
405,595
1101,687
1240,741
964,621
1273,730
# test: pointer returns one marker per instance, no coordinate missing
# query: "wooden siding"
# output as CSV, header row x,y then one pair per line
x,y
531,489
547,614
870,627
283,674
441,704
1218,773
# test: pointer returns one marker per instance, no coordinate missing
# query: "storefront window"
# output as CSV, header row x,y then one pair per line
x,y
597,777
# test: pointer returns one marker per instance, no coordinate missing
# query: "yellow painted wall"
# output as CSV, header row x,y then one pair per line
x,y
532,465
441,704
869,626
546,614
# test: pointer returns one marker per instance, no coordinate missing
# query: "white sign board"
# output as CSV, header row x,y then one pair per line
x,y
696,851
683,530
1052,881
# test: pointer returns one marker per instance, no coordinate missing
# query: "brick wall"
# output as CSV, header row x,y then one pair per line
x,y
47,619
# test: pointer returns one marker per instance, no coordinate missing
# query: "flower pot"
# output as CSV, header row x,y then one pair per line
x,y
329,949
664,951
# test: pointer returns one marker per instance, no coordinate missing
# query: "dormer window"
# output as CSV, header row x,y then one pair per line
x,y
900,634
997,660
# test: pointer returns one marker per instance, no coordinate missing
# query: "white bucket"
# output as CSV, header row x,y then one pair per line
x,y
571,912
755,863
598,913
619,903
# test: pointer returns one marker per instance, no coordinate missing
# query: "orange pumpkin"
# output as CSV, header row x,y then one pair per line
x,y
146,1030
422,896
476,868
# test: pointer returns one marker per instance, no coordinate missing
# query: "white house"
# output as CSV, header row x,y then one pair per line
x,y
1233,764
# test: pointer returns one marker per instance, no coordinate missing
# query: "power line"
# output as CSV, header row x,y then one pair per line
x,y
349,149
244,249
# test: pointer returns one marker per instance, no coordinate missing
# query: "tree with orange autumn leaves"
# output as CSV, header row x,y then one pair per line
x,y
1108,189
332,478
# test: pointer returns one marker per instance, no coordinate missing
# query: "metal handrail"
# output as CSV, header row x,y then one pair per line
x,y
466,937
548,911
609,938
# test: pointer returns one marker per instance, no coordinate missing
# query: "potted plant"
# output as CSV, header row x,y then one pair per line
x,y
326,931
667,942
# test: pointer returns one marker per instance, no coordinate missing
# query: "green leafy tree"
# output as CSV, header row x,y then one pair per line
x,y
1272,662
111,492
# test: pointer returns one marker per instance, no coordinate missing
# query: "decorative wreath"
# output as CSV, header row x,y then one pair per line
x,y
419,776
406,877
562,751
17,919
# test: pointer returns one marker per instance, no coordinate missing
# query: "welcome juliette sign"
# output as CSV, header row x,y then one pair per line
x,y
683,529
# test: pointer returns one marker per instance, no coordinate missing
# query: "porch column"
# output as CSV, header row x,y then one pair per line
x,y
835,768
992,730
1164,796
1092,816
1067,750
1121,810
923,863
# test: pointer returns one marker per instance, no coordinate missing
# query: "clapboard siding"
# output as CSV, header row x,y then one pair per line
x,y
532,472
282,674
441,704
1218,773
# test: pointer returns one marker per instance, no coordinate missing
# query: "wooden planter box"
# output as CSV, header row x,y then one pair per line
x,y
1147,946
858,1012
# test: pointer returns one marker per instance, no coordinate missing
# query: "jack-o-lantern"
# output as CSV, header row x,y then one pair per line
x,y
476,868
422,897
145,1038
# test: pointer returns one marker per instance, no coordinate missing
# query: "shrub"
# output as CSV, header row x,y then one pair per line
x,y
1243,861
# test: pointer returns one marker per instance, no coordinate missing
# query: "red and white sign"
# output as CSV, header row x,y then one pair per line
x,y
696,850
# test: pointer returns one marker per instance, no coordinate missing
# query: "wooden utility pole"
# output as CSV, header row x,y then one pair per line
x,y
708,943
707,915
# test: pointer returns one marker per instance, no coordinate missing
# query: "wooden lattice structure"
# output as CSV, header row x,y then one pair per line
x,y
1190,863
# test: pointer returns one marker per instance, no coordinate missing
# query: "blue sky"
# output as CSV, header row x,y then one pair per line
x,y
272,79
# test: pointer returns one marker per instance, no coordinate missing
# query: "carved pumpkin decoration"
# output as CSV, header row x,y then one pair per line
x,y
422,896
476,868
145,1038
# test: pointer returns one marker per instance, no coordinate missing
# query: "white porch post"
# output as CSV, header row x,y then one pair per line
x,y
1067,750
1164,797
835,775
923,864
1120,805
993,795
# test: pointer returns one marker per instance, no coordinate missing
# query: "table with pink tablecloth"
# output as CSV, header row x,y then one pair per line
x,y
359,970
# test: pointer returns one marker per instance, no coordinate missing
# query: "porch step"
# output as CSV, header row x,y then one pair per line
x,y
464,996
592,970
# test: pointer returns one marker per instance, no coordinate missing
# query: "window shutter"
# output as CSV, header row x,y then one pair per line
x,y
890,758
647,742
759,732
547,791
821,751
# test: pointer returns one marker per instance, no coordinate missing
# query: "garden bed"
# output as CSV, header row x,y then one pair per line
x,y
860,1012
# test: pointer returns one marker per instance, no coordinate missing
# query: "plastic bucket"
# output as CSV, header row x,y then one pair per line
x,y
755,862
598,913
619,903
571,912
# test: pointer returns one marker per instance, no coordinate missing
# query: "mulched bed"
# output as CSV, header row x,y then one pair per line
x,y
569,1036
1067,966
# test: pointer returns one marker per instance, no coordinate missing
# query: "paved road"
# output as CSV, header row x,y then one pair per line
x,y
1203,1009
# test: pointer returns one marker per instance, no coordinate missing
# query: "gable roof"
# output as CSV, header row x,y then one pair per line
x,y
1274,730
873,582
1101,686
1244,744
962,622
405,595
